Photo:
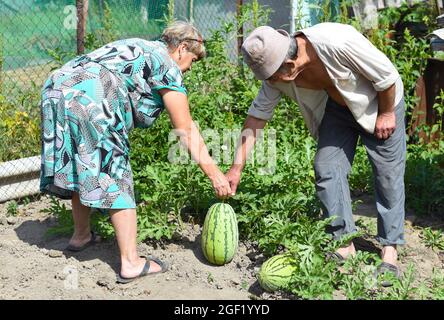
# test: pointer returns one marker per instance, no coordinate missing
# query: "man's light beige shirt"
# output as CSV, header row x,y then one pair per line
x,y
357,69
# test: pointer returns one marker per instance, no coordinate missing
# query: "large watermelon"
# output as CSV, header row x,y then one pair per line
x,y
220,235
276,272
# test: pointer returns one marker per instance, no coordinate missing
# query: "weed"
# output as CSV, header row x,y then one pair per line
x,y
433,238
12,208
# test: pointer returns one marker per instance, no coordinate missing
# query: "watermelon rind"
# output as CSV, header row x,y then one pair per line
x,y
275,273
220,234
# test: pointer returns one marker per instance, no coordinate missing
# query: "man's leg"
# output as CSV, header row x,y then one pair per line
x,y
388,163
334,157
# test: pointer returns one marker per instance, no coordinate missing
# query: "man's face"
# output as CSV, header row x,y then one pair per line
x,y
286,73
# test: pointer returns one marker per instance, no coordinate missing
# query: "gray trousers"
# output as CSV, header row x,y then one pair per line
x,y
338,137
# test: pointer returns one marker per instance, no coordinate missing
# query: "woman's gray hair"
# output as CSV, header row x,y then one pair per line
x,y
181,31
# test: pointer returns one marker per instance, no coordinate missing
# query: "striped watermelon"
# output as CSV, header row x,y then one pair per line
x,y
276,272
220,235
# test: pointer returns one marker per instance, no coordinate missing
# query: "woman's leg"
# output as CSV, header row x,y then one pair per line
x,y
125,225
82,229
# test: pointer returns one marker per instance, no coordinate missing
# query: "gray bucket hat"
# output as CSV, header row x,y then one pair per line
x,y
265,49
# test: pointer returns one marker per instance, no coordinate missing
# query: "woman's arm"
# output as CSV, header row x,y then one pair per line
x,y
176,104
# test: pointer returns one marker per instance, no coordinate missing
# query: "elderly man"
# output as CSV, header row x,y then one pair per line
x,y
345,89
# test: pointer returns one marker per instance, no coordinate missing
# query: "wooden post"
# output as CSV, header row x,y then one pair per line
x,y
191,12
240,37
438,8
82,15
240,31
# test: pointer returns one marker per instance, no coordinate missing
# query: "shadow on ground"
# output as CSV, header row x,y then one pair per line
x,y
34,232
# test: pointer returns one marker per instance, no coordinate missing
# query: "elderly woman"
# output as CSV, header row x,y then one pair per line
x,y
88,108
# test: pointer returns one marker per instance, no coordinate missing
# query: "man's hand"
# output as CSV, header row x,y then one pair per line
x,y
386,119
233,176
221,185
385,125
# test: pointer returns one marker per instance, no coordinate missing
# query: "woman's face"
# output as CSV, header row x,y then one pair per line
x,y
187,59
183,57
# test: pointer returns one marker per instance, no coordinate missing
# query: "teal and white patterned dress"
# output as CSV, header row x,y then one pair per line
x,y
88,108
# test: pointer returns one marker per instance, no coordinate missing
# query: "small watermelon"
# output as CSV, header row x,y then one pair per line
x,y
220,235
276,272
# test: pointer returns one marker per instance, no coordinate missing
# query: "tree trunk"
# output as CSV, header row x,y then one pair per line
x,y
82,15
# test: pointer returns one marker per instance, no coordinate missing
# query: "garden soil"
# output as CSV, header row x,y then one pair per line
x,y
35,266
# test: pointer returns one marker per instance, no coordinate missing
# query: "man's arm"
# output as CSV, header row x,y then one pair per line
x,y
261,111
386,119
245,144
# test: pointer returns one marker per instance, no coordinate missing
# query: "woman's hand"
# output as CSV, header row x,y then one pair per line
x,y
221,185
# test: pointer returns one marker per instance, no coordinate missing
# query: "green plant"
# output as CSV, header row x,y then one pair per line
x,y
64,218
252,15
1,62
438,107
437,285
433,238
424,178
19,128
401,289
11,209
411,69
168,17
367,225
65,223
104,35
59,57
358,281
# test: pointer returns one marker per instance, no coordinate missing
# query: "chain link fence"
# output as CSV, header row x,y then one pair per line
x,y
36,37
